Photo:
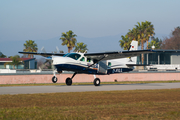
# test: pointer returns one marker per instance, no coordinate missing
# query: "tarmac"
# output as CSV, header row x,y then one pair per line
x,y
85,88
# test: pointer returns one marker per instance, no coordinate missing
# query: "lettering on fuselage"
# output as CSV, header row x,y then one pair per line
x,y
119,70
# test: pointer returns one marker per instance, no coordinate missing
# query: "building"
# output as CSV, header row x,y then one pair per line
x,y
162,59
27,63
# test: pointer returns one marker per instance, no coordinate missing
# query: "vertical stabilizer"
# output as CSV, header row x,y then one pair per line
x,y
134,45
123,62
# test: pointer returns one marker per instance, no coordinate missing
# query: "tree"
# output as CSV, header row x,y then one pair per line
x,y
173,42
69,40
144,31
80,47
2,55
125,42
30,46
141,33
149,31
15,61
156,42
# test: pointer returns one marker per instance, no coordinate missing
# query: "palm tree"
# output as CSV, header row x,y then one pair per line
x,y
144,31
155,42
30,46
80,47
141,33
15,61
149,31
125,42
68,39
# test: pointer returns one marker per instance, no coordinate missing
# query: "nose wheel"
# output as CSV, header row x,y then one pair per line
x,y
54,79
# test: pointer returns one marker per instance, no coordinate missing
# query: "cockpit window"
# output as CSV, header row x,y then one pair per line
x,y
66,55
82,59
73,55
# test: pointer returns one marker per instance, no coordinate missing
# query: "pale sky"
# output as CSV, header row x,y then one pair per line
x,y
45,19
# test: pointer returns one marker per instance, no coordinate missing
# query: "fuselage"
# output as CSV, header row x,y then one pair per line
x,y
77,62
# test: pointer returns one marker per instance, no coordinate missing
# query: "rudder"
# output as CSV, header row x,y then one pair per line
x,y
134,45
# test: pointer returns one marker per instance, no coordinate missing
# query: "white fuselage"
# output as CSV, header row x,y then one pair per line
x,y
79,62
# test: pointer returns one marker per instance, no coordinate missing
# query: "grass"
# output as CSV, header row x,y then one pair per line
x,y
106,105
88,83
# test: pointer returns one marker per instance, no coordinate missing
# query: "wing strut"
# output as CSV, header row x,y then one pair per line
x,y
98,60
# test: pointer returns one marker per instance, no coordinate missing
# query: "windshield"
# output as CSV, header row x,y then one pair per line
x,y
72,55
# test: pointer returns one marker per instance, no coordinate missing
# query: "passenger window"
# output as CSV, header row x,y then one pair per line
x,y
109,63
82,59
88,59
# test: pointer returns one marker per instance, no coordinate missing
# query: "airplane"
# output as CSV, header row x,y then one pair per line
x,y
101,63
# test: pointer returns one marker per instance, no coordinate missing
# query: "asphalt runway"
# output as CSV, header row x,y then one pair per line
x,y
84,88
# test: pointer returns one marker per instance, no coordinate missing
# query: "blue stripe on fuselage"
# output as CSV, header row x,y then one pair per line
x,y
77,68
82,69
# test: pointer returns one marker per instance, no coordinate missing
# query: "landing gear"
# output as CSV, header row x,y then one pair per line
x,y
68,81
54,79
97,82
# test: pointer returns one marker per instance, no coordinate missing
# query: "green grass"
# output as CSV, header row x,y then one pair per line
x,y
107,105
88,83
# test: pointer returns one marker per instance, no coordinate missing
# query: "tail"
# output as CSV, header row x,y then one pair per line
x,y
133,46
126,61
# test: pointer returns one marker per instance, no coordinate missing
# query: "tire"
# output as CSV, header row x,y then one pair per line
x,y
54,79
97,82
68,81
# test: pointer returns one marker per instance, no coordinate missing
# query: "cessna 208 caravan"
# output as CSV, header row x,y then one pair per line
x,y
94,63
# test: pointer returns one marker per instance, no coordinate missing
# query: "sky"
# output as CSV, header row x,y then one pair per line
x,y
22,20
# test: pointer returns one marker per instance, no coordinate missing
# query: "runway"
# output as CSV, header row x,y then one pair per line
x,y
84,88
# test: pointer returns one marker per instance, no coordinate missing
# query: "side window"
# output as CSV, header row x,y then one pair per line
x,y
109,63
82,59
88,59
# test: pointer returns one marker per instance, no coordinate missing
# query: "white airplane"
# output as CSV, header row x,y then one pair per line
x,y
94,63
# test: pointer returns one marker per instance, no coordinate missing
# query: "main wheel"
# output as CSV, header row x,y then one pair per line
x,y
54,79
68,81
97,82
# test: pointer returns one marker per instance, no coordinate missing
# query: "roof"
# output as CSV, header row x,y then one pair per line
x,y
161,50
23,59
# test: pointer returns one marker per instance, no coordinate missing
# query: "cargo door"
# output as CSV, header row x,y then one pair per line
x,y
102,67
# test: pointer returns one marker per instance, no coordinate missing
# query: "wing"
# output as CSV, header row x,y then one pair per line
x,y
43,54
116,54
